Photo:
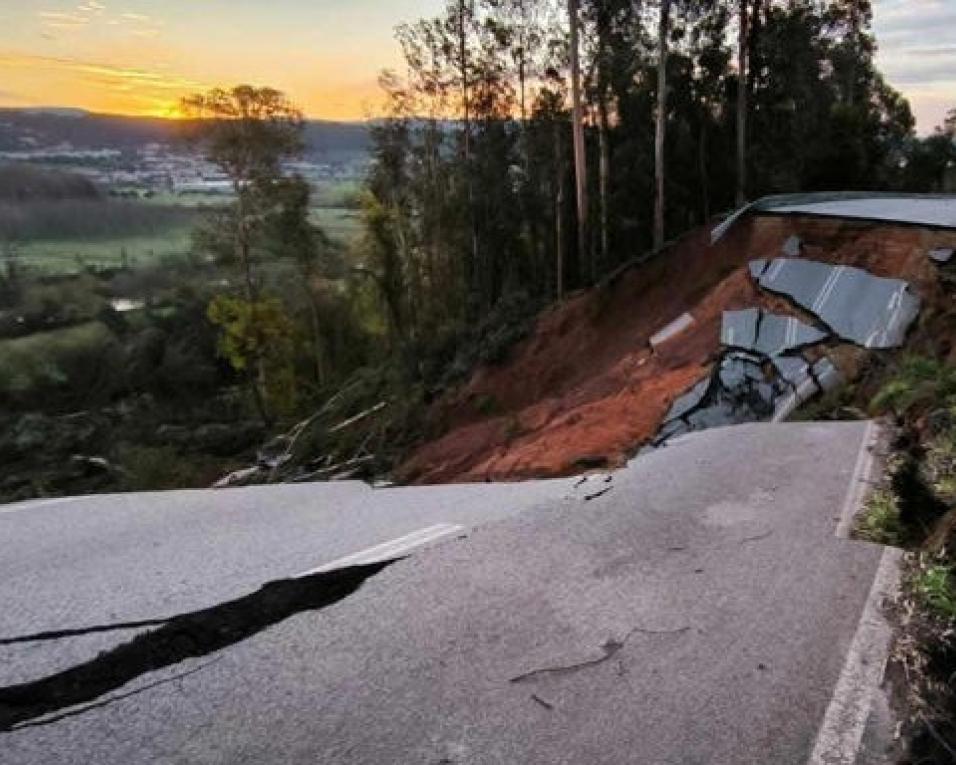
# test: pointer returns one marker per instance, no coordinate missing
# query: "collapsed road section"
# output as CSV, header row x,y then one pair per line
x,y
770,376
787,298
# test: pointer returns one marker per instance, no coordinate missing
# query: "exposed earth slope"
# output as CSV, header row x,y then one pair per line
x,y
587,389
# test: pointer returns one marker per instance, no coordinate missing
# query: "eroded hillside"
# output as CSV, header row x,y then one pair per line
x,y
587,389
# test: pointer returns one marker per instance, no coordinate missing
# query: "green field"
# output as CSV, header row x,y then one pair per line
x,y
340,224
55,238
74,255
64,256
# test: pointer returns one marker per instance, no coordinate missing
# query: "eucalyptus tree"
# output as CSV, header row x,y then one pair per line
x,y
577,124
743,31
663,31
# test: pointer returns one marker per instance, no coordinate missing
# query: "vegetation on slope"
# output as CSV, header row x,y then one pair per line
x,y
916,510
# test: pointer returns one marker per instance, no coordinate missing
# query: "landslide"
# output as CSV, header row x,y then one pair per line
x,y
586,390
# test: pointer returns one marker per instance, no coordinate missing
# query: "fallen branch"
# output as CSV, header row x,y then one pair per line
x,y
359,417
336,469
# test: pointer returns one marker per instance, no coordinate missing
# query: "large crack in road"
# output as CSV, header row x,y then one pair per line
x,y
181,637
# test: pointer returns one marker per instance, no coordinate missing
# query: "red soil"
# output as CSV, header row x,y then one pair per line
x,y
586,384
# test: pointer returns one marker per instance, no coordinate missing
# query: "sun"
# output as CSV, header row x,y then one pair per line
x,y
168,111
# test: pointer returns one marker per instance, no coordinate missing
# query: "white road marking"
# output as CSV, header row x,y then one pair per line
x,y
792,400
841,733
859,480
839,738
393,548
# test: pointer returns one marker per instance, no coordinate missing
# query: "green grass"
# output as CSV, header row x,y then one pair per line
x,y
61,363
196,200
936,586
920,383
73,255
880,520
940,465
337,193
340,224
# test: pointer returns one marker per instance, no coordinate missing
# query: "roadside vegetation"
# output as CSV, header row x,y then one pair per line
x,y
916,509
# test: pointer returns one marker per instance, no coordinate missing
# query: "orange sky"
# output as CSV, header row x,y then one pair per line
x,y
142,56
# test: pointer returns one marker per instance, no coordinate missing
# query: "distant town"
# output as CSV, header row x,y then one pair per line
x,y
145,158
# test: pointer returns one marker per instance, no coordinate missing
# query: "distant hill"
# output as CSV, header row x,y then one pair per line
x,y
25,129
23,183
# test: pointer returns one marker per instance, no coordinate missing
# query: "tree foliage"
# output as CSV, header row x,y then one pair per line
x,y
471,191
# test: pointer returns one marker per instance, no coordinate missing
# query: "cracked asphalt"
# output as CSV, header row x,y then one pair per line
x,y
698,612
124,558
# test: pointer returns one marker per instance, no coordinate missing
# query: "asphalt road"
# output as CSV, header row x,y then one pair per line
x,y
79,562
701,609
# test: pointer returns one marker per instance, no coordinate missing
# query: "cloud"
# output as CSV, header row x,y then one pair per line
x,y
917,54
132,89
92,12
63,20
105,72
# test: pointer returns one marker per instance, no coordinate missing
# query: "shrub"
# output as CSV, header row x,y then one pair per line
x,y
66,368
880,520
936,586
920,383
154,468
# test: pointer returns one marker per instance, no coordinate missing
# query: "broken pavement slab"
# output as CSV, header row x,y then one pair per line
x,y
870,311
941,255
766,333
676,327
741,388
689,401
793,246
805,381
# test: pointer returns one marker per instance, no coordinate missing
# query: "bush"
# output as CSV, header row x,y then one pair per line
x,y
921,383
61,303
936,586
880,520
155,468
491,339
66,368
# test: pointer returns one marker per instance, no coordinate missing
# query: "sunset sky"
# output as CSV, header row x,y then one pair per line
x,y
140,56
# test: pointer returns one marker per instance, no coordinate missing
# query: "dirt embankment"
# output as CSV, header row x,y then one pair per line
x,y
586,389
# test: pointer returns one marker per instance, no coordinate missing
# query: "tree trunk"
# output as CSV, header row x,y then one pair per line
x,y
659,135
257,369
558,211
604,177
604,148
521,87
580,161
463,65
476,270
316,329
702,168
742,86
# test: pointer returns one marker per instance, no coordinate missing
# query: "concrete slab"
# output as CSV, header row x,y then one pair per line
x,y
868,310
